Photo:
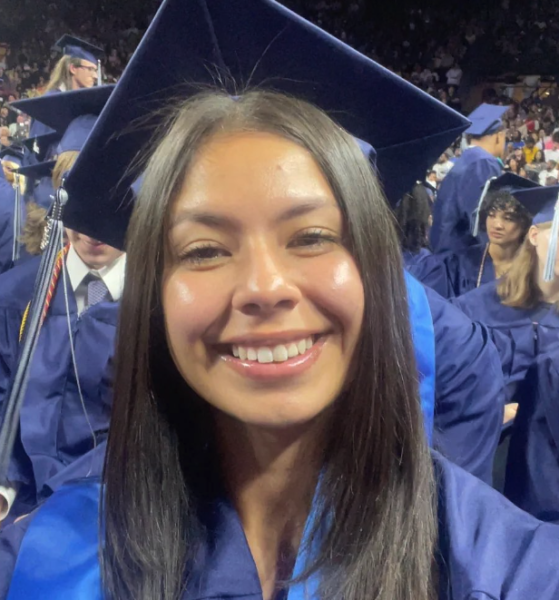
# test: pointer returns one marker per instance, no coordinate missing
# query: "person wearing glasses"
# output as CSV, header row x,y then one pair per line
x,y
78,67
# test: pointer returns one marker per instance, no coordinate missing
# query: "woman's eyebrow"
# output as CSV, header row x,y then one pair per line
x,y
221,221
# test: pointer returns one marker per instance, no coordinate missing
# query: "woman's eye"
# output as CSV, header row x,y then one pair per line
x,y
312,239
203,254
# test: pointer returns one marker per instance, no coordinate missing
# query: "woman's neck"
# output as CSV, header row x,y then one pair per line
x,y
502,257
271,476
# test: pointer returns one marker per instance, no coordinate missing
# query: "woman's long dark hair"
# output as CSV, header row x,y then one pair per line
x,y
413,216
376,485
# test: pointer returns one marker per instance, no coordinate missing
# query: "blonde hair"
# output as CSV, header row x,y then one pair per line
x,y
36,219
34,228
519,288
61,78
64,163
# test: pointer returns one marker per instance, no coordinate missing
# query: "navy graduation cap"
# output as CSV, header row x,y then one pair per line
x,y
74,139
486,120
57,111
39,145
511,182
76,48
259,43
508,182
38,170
13,155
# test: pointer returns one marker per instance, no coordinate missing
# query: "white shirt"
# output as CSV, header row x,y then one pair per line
x,y
454,76
545,174
113,278
442,169
552,155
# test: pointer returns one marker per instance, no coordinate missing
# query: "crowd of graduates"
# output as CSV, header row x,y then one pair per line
x,y
249,350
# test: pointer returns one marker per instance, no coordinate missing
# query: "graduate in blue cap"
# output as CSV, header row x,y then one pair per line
x,y
505,220
65,413
266,389
459,192
520,309
78,68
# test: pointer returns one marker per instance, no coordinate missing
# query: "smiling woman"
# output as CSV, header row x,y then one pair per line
x,y
262,234
267,439
288,284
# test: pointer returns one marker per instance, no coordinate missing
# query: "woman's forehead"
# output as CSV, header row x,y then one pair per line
x,y
242,168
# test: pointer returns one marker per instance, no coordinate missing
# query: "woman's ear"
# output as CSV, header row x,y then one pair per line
x,y
533,234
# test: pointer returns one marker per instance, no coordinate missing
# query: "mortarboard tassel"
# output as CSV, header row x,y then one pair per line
x,y
12,406
549,269
18,219
475,229
99,73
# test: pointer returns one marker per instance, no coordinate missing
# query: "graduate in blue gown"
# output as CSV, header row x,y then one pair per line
x,y
78,68
240,454
459,192
505,220
532,475
469,385
469,389
520,309
65,414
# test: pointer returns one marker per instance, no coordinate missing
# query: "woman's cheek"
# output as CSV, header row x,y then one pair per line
x,y
339,288
191,305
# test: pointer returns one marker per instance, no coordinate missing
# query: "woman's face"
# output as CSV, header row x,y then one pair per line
x,y
539,237
513,165
263,303
502,229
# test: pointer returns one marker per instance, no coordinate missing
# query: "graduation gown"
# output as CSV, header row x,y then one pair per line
x,y
469,389
452,274
521,335
532,474
487,549
413,258
7,211
458,198
55,441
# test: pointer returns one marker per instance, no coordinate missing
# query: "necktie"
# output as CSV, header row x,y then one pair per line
x,y
97,291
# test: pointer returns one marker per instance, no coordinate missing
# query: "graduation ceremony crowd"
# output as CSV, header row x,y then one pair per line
x,y
277,322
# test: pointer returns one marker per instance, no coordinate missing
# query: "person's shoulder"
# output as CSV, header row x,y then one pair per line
x,y
484,304
16,285
484,294
68,555
474,252
488,545
448,317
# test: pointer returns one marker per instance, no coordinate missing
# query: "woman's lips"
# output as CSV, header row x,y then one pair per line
x,y
276,370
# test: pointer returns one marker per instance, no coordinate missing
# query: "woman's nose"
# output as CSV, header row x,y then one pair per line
x,y
265,285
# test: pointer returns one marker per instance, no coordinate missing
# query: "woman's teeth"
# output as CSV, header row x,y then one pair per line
x,y
279,353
